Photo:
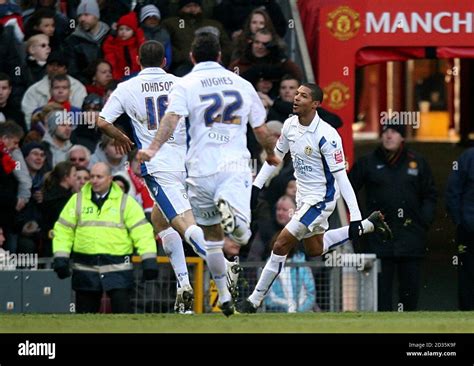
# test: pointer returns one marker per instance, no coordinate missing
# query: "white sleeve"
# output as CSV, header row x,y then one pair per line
x,y
258,114
283,145
348,194
177,103
114,107
331,148
266,171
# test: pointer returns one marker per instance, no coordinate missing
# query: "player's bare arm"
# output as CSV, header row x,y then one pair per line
x,y
265,138
121,141
167,126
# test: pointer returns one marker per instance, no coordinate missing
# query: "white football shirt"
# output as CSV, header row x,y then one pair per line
x,y
316,151
218,104
144,98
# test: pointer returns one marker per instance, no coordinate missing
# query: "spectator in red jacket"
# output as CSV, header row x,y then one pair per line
x,y
122,51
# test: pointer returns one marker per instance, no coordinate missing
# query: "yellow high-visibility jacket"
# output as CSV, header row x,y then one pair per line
x,y
102,241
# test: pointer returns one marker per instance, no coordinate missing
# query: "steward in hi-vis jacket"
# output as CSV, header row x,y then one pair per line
x,y
99,228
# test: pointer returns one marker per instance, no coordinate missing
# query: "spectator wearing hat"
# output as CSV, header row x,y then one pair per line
x,y
121,51
150,19
399,182
84,45
190,15
30,217
39,93
56,140
86,133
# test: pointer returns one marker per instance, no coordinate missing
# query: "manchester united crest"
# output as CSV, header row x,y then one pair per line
x,y
343,23
336,94
308,150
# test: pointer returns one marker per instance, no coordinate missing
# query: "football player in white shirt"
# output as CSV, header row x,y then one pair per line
x,y
144,98
218,104
318,159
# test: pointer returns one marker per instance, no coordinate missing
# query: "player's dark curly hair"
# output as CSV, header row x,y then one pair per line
x,y
205,47
316,92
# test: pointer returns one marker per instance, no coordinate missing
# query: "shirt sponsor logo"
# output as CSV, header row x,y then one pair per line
x,y
338,157
300,166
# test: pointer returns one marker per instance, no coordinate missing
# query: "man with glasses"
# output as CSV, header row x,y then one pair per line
x,y
79,156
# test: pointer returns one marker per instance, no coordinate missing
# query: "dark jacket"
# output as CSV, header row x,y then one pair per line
x,y
460,191
34,71
81,49
54,201
8,193
10,59
405,193
181,41
13,112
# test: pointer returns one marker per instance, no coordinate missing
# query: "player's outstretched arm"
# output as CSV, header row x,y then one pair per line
x,y
265,172
121,141
167,126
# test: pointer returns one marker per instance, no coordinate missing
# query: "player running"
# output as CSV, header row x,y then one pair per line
x,y
318,159
218,104
144,98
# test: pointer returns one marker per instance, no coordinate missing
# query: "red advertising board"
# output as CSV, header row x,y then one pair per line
x,y
341,34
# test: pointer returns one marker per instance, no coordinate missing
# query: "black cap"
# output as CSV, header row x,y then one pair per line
x,y
92,99
183,3
394,125
26,149
57,57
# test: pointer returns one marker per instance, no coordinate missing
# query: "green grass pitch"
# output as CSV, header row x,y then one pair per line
x,y
415,322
